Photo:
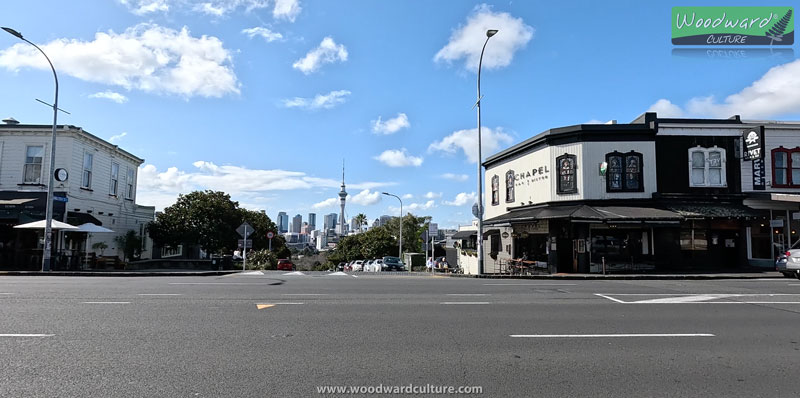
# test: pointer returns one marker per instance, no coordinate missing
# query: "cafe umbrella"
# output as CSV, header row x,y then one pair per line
x,y
90,229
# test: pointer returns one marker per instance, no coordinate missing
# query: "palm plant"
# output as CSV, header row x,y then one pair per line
x,y
361,221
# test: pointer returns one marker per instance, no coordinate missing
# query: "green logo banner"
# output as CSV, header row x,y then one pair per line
x,y
733,26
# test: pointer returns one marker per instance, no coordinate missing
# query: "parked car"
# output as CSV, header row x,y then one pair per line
x,y
285,265
358,265
391,263
371,266
789,263
341,266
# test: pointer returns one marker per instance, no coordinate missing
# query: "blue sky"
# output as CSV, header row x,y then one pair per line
x,y
263,99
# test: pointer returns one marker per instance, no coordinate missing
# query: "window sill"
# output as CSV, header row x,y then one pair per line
x,y
87,189
708,186
785,186
129,199
31,184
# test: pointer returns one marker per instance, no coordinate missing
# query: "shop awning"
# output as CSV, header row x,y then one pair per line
x,y
464,234
14,202
714,210
82,218
493,231
589,213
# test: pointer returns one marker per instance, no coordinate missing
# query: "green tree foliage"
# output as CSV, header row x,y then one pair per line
x,y
413,227
209,219
381,241
361,221
130,243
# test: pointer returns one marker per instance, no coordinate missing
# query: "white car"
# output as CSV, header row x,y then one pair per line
x,y
358,265
375,265
789,263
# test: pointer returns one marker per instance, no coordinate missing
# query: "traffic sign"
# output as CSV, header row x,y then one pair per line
x,y
270,235
248,242
245,230
60,199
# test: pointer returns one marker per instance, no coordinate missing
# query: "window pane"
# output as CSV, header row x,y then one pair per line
x,y
33,172
615,163
698,176
632,164
714,159
780,159
114,171
698,159
796,176
715,176
615,181
632,181
796,159
780,177
35,151
87,161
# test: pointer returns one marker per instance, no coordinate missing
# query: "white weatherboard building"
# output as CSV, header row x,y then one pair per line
x,y
100,189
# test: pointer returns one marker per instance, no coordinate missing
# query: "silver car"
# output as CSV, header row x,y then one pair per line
x,y
789,263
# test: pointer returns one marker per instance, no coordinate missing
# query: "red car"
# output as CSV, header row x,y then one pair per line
x,y
285,265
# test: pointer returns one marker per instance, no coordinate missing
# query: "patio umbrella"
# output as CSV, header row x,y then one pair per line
x,y
90,228
41,224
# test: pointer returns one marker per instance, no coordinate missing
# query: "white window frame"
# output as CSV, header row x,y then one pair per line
x,y
130,183
25,164
706,152
114,185
86,182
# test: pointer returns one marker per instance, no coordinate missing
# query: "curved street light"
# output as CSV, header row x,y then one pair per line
x,y
400,251
48,228
489,34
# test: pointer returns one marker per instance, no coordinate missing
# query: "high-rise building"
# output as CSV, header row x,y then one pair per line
x,y
342,199
304,230
297,222
330,221
283,222
312,221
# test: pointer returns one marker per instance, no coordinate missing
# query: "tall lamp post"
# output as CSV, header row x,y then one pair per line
x,y
48,227
489,34
400,249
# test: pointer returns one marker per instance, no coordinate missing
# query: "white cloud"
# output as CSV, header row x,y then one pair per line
x,y
144,7
433,195
327,52
219,8
413,207
456,177
408,196
110,95
776,93
320,101
390,126
398,158
326,204
286,9
267,34
114,139
462,199
366,198
146,57
665,108
467,40
467,141
160,188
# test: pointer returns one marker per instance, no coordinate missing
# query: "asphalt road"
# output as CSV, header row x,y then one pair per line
x,y
286,335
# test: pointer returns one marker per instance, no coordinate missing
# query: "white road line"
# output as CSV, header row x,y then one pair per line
x,y
529,284
610,298
252,273
305,294
106,302
613,335
26,335
7,293
464,302
280,303
294,273
468,294
213,283
159,294
794,284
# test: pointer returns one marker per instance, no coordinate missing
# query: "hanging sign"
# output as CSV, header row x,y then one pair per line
x,y
753,139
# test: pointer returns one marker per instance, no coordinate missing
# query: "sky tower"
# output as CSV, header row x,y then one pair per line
x,y
342,198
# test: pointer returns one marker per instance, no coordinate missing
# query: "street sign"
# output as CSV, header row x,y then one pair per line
x,y
248,242
60,198
245,230
270,235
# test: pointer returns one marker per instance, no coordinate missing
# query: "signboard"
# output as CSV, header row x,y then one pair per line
x,y
433,229
733,26
242,228
248,242
270,235
541,227
603,168
60,199
776,223
753,140
759,175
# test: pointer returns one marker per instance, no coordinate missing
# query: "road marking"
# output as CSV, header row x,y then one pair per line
x,y
159,294
791,284
697,298
294,273
338,273
6,293
529,284
214,283
468,294
305,294
106,302
463,302
280,304
610,298
613,335
26,335
262,306
252,273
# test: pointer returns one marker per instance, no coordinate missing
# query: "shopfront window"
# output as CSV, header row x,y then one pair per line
x,y
624,172
495,191
567,181
510,186
786,167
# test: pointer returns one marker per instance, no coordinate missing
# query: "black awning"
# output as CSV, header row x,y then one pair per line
x,y
493,231
76,218
621,213
464,234
589,213
714,210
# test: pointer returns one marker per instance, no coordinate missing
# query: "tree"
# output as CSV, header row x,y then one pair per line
x,y
361,221
413,227
130,243
262,224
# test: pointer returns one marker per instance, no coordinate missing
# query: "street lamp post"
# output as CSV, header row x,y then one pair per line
x,y
48,228
400,249
489,34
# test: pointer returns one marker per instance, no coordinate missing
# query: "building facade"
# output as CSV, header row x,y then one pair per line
x,y
654,194
312,221
283,222
297,223
100,188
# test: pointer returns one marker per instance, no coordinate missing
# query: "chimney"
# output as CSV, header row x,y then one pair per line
x,y
10,120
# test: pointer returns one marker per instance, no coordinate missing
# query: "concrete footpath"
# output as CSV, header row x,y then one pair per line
x,y
166,272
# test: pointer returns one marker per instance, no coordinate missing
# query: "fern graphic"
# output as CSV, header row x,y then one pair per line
x,y
776,32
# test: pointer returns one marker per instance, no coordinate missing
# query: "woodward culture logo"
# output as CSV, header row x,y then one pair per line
x,y
733,26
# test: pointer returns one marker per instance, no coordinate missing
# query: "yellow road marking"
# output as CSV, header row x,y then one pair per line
x,y
262,306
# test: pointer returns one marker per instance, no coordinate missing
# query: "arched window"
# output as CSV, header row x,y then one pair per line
x,y
510,186
567,177
624,172
786,167
495,191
